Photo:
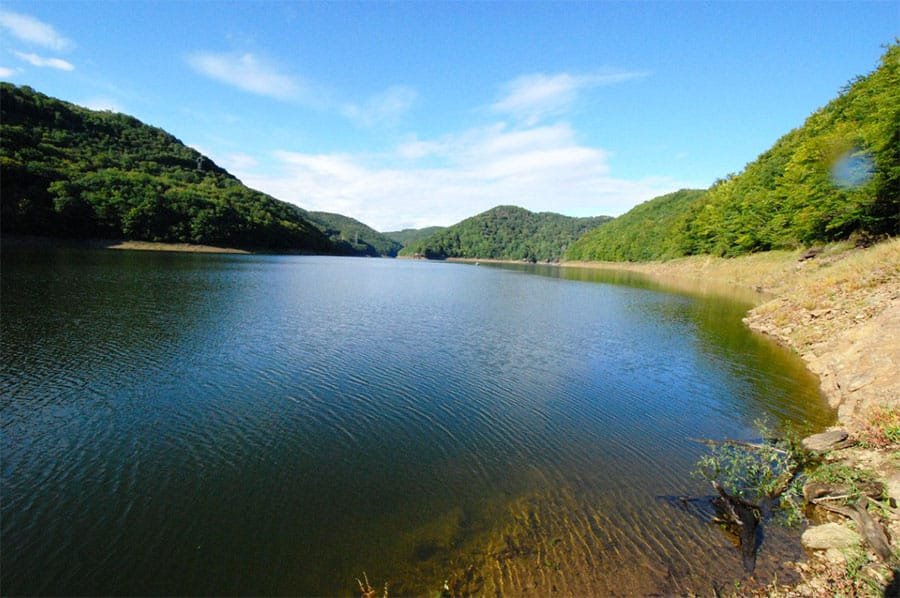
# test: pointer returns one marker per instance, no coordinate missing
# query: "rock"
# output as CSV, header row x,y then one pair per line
x,y
829,535
817,490
809,254
893,486
814,490
825,440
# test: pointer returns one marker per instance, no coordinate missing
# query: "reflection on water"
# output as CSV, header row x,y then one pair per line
x,y
227,424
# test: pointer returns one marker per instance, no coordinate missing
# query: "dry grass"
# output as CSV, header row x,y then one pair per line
x,y
780,272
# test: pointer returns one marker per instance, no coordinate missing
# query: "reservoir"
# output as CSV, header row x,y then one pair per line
x,y
277,425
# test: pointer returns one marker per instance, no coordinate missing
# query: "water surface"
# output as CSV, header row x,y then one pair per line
x,y
233,424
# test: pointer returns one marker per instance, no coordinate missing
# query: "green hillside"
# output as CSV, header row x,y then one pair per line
x,y
352,237
647,232
838,175
411,235
506,232
73,172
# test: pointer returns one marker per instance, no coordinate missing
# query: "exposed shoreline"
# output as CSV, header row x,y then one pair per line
x,y
118,244
838,308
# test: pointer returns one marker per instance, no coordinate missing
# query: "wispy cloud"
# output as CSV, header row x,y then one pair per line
x,y
41,61
442,181
29,29
531,98
248,72
6,72
385,107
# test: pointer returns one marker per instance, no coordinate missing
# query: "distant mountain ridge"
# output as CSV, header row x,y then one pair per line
x,y
508,233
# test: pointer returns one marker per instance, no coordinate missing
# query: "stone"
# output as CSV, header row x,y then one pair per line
x,y
825,440
829,535
893,486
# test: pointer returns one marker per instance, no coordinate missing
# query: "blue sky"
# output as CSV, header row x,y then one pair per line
x,y
411,114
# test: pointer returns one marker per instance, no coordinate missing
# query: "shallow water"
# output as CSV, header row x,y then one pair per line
x,y
232,424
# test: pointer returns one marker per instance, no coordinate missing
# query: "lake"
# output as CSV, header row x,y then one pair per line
x,y
239,424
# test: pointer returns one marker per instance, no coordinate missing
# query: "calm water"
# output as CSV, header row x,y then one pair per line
x,y
228,424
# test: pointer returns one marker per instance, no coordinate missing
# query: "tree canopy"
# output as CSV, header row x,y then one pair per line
x,y
408,236
506,232
352,237
835,176
73,172
647,232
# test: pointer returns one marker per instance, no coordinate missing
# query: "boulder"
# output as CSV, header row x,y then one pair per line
x,y
829,535
813,491
893,486
825,441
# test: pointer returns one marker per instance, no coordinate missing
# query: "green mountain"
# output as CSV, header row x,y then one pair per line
x,y
646,232
352,236
411,235
836,176
73,172
506,232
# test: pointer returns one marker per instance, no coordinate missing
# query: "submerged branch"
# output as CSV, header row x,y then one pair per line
x,y
744,518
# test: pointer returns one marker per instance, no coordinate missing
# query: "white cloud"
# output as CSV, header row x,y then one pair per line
x,y
540,168
40,61
247,72
384,107
533,97
31,30
7,72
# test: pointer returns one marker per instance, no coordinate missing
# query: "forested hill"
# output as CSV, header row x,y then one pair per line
x,y
352,237
647,232
73,172
506,232
411,235
836,176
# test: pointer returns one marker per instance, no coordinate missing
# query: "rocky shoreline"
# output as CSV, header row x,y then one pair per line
x,y
838,307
